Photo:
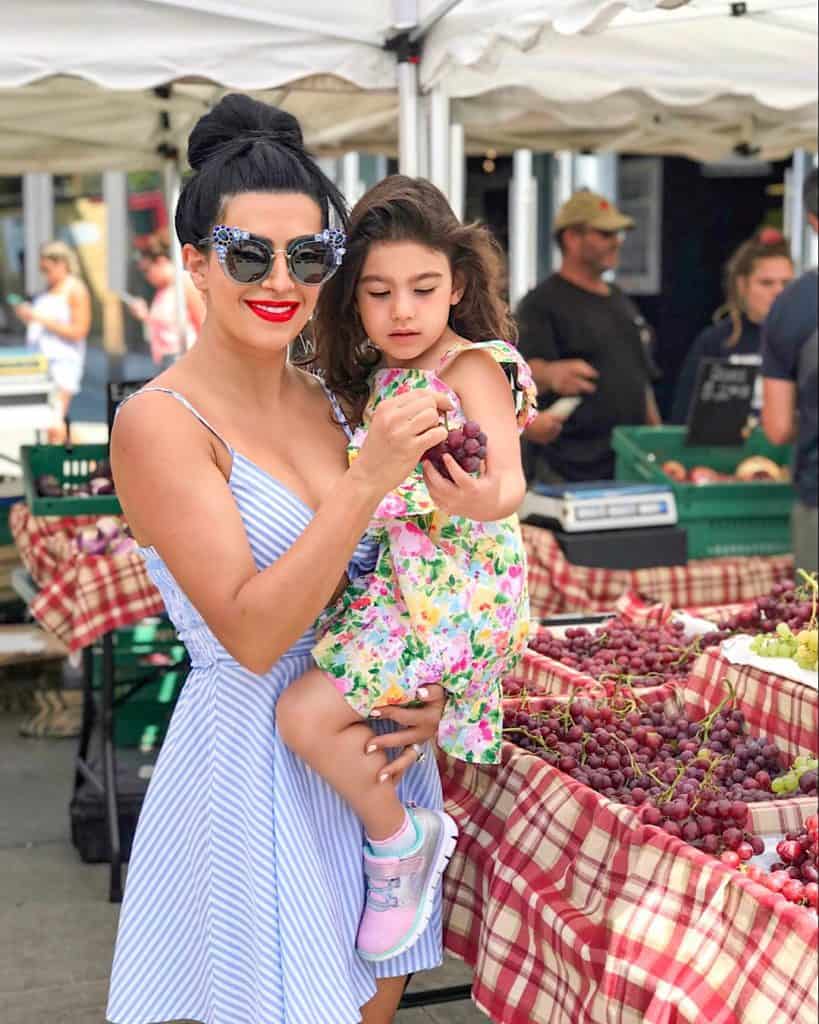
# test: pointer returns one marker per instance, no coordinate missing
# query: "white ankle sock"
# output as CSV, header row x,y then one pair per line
x,y
398,843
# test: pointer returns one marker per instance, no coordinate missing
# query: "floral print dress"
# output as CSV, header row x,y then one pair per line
x,y
447,601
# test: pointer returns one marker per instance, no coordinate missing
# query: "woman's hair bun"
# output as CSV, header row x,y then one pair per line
x,y
241,120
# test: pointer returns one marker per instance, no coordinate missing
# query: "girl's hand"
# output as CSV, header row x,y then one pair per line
x,y
465,495
402,429
417,725
24,312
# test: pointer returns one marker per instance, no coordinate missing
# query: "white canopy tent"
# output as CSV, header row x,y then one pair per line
x,y
92,84
697,80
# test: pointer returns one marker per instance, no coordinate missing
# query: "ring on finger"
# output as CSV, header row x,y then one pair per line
x,y
420,752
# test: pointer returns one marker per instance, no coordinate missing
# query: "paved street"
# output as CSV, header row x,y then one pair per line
x,y
56,927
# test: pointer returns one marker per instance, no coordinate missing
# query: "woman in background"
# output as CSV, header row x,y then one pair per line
x,y
756,273
160,319
58,322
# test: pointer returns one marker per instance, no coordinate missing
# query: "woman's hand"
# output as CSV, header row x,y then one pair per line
x,y
25,312
401,430
138,308
417,725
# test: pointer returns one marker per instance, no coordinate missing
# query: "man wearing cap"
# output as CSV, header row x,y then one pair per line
x,y
790,357
583,337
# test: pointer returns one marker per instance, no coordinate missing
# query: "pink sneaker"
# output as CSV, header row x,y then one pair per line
x,y
401,890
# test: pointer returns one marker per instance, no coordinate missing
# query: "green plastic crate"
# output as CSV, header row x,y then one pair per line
x,y
73,465
5,526
721,519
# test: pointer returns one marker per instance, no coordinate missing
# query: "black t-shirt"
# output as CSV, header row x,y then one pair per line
x,y
712,342
559,320
789,352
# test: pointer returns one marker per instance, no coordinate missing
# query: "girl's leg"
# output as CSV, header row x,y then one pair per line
x,y
318,725
383,1006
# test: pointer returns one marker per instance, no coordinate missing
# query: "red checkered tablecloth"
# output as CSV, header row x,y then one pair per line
x,y
785,710
81,597
555,585
571,911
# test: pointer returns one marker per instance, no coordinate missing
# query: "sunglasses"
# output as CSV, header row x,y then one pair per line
x,y
248,259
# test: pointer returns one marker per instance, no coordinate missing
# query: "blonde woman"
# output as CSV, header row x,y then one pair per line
x,y
58,321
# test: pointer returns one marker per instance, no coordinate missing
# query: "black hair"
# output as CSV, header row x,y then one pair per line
x,y
810,192
242,145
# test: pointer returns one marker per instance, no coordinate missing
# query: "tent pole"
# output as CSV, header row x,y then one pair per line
x,y
408,116
439,141
796,219
522,227
457,170
172,189
38,225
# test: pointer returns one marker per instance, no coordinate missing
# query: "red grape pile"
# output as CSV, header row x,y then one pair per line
x,y
786,603
646,655
466,444
796,874
694,779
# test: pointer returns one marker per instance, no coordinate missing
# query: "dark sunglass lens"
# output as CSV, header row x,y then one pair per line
x,y
248,261
312,262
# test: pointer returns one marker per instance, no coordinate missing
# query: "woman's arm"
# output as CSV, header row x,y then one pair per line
x,y
175,497
79,305
485,397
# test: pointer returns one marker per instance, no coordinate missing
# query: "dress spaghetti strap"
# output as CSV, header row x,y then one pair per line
x,y
188,406
338,412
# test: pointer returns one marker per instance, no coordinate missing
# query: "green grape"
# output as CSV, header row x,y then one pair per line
x,y
790,782
777,785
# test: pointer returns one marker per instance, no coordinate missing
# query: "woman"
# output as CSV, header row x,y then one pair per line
x,y
58,322
160,319
756,273
246,886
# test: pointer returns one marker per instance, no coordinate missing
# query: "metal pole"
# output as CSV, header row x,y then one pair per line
x,y
172,189
38,225
408,117
796,219
115,195
457,170
439,141
351,183
522,226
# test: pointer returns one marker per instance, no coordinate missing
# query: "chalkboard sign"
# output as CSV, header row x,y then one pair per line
x,y
118,391
723,397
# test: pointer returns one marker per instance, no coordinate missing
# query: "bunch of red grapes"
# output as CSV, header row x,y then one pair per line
x,y
466,444
647,655
785,603
694,779
796,874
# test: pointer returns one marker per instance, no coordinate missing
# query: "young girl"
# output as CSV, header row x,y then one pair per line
x,y
417,305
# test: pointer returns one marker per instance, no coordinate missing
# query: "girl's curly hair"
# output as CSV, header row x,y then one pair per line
x,y
402,209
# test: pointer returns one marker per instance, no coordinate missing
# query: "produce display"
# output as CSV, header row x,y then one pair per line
x,y
787,603
101,483
796,874
800,778
466,444
692,778
642,655
108,536
755,468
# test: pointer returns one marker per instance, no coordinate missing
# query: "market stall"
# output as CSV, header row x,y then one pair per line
x,y
580,888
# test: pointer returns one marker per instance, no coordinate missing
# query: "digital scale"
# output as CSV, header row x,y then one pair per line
x,y
604,505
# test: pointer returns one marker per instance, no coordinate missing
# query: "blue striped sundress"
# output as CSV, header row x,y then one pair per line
x,y
245,885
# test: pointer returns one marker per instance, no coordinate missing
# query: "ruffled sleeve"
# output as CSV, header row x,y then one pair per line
x,y
515,367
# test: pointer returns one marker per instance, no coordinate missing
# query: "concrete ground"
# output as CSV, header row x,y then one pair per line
x,y
56,926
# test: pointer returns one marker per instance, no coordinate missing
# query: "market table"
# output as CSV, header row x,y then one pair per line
x,y
557,586
572,911
83,600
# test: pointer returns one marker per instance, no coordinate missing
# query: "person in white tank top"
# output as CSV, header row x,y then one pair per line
x,y
57,325
160,319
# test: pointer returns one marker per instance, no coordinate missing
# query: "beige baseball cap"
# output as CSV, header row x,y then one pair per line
x,y
591,210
